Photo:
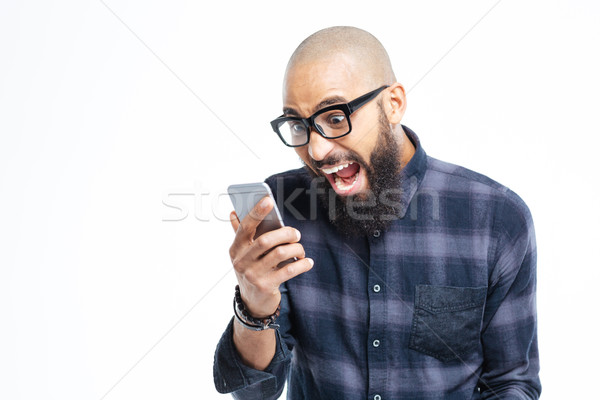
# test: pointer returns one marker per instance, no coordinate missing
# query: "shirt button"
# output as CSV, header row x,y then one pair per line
x,y
376,234
376,343
377,397
376,288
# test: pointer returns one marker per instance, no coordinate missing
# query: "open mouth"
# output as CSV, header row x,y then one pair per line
x,y
344,178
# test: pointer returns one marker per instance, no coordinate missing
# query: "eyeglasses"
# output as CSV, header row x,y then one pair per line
x,y
331,122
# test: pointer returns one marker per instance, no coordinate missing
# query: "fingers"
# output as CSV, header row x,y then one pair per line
x,y
235,221
282,253
292,270
247,227
268,251
269,240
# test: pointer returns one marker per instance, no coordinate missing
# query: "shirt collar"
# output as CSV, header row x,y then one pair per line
x,y
413,172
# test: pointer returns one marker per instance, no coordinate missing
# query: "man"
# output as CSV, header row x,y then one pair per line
x,y
414,278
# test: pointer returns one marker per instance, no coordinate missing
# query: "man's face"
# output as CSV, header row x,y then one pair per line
x,y
367,186
310,87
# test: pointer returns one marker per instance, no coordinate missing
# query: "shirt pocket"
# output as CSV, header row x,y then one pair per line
x,y
447,320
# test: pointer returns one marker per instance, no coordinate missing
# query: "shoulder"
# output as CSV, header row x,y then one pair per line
x,y
292,191
286,182
454,177
507,211
509,216
450,177
292,174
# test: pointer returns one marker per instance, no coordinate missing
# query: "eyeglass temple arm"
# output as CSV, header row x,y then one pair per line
x,y
365,98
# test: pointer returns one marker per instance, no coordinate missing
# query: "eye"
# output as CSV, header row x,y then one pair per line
x,y
336,119
297,128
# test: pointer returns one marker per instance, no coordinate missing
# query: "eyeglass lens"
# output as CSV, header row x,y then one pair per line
x,y
332,123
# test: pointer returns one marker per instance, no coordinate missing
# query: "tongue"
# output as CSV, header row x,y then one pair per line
x,y
349,171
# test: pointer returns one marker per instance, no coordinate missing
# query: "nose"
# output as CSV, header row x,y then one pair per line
x,y
318,146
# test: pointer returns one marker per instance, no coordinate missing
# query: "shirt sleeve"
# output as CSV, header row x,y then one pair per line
x,y
231,375
509,336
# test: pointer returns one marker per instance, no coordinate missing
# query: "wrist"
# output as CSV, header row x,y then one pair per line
x,y
246,319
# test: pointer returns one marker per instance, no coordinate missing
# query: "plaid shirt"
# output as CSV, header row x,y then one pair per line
x,y
439,306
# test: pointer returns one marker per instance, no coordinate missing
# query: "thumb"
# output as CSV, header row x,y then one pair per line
x,y
235,222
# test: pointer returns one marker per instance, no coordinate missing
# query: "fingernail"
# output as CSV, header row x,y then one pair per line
x,y
298,234
264,203
310,260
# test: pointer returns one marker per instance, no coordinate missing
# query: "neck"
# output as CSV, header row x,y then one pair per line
x,y
407,149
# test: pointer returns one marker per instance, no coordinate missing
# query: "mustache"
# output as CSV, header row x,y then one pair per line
x,y
336,158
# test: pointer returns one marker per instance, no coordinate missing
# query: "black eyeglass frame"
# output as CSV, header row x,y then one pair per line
x,y
348,109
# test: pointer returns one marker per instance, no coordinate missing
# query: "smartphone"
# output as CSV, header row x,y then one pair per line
x,y
245,196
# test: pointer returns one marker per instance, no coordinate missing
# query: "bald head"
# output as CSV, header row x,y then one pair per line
x,y
357,44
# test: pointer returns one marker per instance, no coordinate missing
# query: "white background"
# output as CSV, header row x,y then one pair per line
x,y
105,115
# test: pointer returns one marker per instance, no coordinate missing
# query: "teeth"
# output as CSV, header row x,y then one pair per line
x,y
332,170
342,186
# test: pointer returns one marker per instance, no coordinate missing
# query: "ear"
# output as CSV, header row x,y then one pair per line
x,y
396,103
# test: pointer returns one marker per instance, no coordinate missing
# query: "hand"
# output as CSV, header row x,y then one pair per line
x,y
255,261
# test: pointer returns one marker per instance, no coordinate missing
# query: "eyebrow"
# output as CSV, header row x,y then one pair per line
x,y
288,111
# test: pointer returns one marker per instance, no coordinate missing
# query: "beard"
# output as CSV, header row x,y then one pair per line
x,y
377,207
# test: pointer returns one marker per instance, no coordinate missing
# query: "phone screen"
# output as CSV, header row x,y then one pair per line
x,y
245,196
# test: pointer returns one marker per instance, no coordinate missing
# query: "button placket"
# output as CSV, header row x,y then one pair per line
x,y
377,315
